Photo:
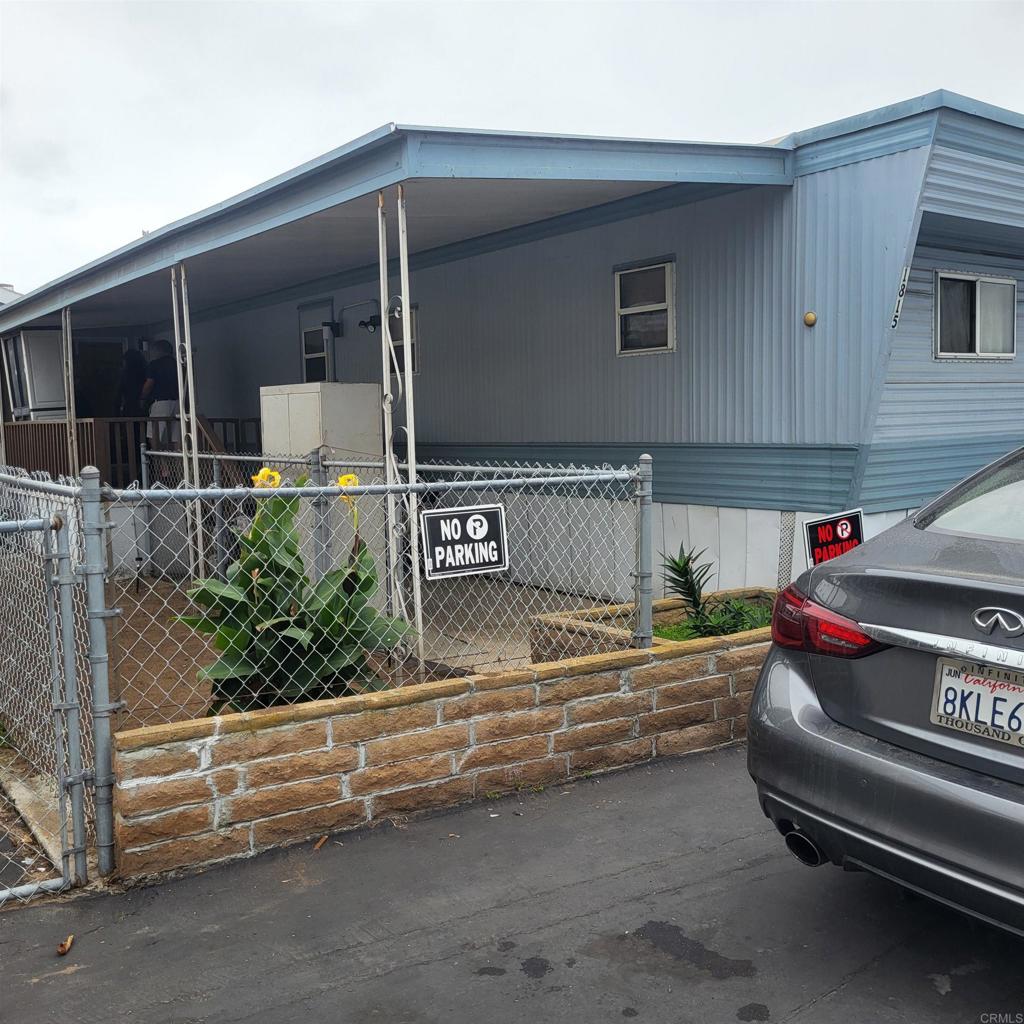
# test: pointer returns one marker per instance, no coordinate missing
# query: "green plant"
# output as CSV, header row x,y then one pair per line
x,y
281,638
731,616
686,578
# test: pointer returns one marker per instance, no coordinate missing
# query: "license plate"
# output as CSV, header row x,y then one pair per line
x,y
979,700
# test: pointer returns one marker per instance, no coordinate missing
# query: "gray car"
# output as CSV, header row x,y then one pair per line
x,y
887,725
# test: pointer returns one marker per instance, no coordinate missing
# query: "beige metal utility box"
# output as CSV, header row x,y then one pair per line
x,y
346,418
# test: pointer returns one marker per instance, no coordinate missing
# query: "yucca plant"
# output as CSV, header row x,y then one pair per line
x,y
686,577
281,638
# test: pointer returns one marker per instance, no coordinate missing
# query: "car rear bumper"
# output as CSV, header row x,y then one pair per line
x,y
944,831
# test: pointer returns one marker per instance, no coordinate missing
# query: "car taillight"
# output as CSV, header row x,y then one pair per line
x,y
787,618
800,623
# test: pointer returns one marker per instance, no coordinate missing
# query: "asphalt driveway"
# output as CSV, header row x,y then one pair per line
x,y
660,894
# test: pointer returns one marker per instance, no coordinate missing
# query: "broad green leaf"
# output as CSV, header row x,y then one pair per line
x,y
379,632
200,623
342,657
210,592
304,636
232,639
229,666
260,626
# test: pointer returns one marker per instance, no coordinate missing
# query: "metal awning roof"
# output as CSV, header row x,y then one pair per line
x,y
313,228
316,225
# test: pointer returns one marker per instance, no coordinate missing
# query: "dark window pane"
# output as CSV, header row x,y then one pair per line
x,y
644,330
313,341
400,358
395,327
956,316
316,369
642,287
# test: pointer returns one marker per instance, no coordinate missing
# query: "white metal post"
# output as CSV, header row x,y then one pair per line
x,y
190,449
68,369
10,395
188,398
410,426
390,474
187,416
178,366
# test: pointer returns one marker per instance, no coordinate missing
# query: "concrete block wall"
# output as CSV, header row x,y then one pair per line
x,y
197,792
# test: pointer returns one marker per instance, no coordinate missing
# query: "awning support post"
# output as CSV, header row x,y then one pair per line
x,y
390,468
67,352
187,418
410,427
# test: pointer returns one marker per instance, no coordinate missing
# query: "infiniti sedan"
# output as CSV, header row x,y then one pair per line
x,y
887,726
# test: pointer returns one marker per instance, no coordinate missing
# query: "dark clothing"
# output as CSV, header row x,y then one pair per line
x,y
129,391
164,375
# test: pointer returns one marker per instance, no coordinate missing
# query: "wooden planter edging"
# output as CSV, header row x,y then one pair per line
x,y
192,793
580,631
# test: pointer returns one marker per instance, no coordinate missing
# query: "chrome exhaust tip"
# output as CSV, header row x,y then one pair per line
x,y
805,849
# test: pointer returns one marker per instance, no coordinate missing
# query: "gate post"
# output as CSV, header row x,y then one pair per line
x,y
94,570
68,701
643,631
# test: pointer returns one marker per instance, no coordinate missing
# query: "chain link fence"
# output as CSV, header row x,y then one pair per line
x,y
276,580
314,593
45,729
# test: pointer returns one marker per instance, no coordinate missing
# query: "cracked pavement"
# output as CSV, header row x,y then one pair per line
x,y
657,894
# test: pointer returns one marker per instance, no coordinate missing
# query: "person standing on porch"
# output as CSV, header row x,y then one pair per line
x,y
161,388
134,373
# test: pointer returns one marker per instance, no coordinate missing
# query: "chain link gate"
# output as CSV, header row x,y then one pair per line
x,y
43,763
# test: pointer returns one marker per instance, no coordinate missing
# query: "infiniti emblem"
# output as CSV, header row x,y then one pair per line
x,y
1011,623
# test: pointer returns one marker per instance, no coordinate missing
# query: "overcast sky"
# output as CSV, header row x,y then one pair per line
x,y
119,117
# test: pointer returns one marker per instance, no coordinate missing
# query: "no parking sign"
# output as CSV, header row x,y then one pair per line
x,y
834,535
463,541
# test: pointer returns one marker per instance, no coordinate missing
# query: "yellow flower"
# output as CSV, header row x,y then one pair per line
x,y
347,480
267,478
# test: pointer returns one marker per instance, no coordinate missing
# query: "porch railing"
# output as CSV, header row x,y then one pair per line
x,y
112,445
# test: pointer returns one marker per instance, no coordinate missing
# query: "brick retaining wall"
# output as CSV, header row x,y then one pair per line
x,y
196,792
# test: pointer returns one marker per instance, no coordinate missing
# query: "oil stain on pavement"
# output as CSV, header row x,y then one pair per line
x,y
658,945
536,967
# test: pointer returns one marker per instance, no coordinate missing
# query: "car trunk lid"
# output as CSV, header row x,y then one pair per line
x,y
950,682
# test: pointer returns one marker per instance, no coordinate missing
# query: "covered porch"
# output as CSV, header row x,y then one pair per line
x,y
300,279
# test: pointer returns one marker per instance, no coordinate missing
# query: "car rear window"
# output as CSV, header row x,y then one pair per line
x,y
990,504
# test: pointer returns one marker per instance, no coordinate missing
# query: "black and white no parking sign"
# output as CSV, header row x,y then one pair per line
x,y
463,541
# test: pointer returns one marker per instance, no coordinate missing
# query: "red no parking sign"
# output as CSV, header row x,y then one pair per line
x,y
834,535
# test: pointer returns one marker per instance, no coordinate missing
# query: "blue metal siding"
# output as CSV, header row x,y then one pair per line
x,y
977,170
907,474
865,143
807,477
517,345
852,225
922,394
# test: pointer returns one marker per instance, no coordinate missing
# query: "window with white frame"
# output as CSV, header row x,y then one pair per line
x,y
975,316
645,312
398,341
316,354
